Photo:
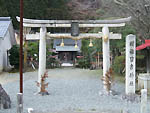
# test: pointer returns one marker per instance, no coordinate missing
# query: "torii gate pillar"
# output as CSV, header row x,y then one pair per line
x,y
106,52
42,54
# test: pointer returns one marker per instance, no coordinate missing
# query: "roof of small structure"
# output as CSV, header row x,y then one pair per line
x,y
4,25
68,42
7,26
67,48
143,46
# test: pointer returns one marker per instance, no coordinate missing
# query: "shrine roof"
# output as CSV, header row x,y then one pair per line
x,y
69,42
67,48
143,46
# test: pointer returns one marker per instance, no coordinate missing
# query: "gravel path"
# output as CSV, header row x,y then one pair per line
x,y
70,90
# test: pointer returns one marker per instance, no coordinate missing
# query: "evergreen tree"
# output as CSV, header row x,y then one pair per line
x,y
3,9
36,9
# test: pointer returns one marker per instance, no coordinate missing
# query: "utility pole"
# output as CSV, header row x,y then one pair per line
x,y
20,95
21,47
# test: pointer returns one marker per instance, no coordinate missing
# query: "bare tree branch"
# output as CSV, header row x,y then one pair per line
x,y
140,11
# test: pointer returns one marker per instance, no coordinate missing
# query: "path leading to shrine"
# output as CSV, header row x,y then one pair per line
x,y
70,89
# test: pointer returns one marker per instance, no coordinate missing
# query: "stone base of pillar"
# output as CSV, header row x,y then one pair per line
x,y
131,98
43,93
111,92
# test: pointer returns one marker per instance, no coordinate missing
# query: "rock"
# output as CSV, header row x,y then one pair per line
x,y
5,102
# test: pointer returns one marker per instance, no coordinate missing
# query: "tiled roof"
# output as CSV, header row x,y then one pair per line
x,y
4,25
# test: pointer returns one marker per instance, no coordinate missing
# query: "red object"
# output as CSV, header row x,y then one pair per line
x,y
143,46
79,56
53,56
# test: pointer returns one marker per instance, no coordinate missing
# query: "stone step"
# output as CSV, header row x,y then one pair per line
x,y
110,111
67,65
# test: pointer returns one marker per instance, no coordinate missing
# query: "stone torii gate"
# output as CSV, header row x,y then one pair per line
x,y
105,35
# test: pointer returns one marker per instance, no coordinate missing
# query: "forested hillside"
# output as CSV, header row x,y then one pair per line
x,y
38,9
82,9
55,9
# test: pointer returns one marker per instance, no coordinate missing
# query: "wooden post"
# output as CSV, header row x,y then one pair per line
x,y
145,83
25,31
98,60
106,56
21,47
42,54
144,101
19,103
25,54
148,60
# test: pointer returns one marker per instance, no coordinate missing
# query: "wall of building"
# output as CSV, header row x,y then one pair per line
x,y
5,45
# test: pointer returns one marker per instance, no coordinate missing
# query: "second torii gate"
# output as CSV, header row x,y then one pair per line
x,y
105,35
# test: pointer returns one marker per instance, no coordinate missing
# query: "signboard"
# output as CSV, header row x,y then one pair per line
x,y
74,29
130,63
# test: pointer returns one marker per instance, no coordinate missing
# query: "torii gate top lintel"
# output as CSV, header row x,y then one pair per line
x,y
82,23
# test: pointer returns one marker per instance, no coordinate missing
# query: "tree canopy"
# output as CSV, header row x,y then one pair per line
x,y
37,9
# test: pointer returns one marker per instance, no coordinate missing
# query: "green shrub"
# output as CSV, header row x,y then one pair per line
x,y
84,62
51,63
119,64
32,49
140,63
14,56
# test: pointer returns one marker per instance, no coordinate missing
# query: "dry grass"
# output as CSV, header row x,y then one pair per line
x,y
108,79
43,85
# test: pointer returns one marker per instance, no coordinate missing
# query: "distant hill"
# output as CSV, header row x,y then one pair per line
x,y
93,9
84,9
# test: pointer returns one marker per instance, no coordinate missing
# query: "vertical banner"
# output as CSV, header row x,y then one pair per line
x,y
130,64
